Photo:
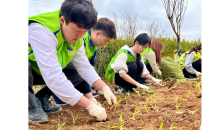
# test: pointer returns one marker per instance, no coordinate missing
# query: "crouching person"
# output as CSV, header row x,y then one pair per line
x,y
126,69
55,38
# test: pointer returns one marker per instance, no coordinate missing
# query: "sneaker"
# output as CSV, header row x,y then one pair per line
x,y
46,105
57,101
36,114
94,94
119,91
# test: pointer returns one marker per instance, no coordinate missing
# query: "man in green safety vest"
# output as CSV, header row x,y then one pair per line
x,y
99,35
55,38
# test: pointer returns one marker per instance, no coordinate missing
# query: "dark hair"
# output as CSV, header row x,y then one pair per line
x,y
156,45
195,48
142,39
107,27
81,12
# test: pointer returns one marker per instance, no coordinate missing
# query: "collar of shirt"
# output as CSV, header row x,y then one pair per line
x,y
90,42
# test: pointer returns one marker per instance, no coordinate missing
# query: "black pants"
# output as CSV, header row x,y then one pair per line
x,y
196,65
134,71
71,74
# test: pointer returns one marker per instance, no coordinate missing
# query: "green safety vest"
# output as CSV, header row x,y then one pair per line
x,y
90,49
148,49
109,75
182,58
51,21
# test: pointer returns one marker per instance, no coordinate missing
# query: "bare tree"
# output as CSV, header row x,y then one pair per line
x,y
127,24
154,28
176,9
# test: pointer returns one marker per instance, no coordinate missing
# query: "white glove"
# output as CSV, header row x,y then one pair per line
x,y
158,81
198,73
142,86
109,95
95,101
159,73
99,92
97,111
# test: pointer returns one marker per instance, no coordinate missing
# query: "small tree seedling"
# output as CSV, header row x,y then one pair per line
x,y
198,85
164,97
126,102
135,112
141,125
147,99
74,119
193,112
175,127
178,104
59,124
119,102
145,107
106,127
154,102
161,126
183,100
149,91
189,92
105,102
121,123
137,92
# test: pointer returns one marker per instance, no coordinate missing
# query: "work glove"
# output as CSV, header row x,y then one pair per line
x,y
158,81
97,111
159,73
109,95
95,101
142,86
198,73
99,92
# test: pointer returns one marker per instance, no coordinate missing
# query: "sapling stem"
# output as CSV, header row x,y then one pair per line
x,y
74,119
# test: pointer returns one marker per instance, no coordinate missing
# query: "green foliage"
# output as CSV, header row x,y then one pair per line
x,y
161,126
137,92
154,102
74,118
106,127
106,52
135,112
59,124
175,127
141,125
189,92
193,112
149,91
121,123
147,99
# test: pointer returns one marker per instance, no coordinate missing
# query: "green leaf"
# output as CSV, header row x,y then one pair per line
x,y
161,125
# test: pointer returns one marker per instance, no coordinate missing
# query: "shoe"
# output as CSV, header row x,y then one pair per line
x,y
46,105
36,114
189,77
57,101
119,91
94,94
146,83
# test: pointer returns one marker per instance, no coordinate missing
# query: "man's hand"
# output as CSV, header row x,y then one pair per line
x,y
158,81
97,111
95,101
142,86
109,95
197,73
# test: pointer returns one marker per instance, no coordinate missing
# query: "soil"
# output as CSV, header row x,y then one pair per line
x,y
165,110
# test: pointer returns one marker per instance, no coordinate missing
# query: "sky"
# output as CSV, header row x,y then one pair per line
x,y
145,9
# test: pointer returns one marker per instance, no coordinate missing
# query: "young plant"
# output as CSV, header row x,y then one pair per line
x,y
135,112
178,104
154,102
105,102
193,112
121,123
141,125
128,94
183,100
106,127
164,97
161,126
74,119
137,92
145,107
147,99
126,102
119,102
189,92
149,91
175,127
59,125
198,85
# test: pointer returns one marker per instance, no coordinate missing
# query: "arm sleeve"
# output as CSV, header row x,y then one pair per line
x,y
43,43
145,70
152,61
92,61
119,65
188,63
83,66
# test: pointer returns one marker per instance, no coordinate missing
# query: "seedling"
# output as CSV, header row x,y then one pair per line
x,y
178,104
74,119
106,104
149,91
147,99
193,112
136,91
59,125
121,123
145,107
135,112
126,102
106,127
119,101
154,102
141,125
175,127
128,94
164,97
183,100
189,92
198,85
161,126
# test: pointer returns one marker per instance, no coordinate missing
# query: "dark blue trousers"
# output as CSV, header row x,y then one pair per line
x,y
196,65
